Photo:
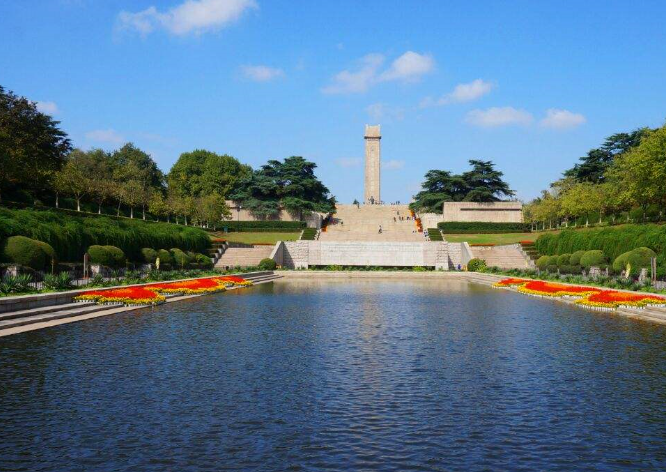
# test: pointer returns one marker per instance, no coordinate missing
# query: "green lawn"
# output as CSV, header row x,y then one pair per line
x,y
502,238
259,238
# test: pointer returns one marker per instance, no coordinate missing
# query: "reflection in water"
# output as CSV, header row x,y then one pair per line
x,y
338,375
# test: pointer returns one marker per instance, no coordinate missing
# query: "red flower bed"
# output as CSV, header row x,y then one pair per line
x,y
189,287
587,296
127,296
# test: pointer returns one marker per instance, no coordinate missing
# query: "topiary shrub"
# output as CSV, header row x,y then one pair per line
x,y
476,265
165,257
542,262
26,252
267,264
638,259
574,260
593,258
179,257
203,260
108,256
563,260
148,255
117,255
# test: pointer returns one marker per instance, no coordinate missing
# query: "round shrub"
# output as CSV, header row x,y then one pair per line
x,y
574,260
203,260
180,258
108,256
117,255
563,260
25,251
542,262
638,259
148,255
593,258
165,257
476,265
267,264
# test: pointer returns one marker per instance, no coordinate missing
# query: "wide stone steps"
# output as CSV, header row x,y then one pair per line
x,y
37,315
244,257
502,257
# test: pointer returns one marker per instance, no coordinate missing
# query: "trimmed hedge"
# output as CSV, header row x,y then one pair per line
x,y
574,260
109,256
462,227
71,235
475,265
165,256
638,259
434,234
148,255
309,234
593,258
27,252
563,260
264,226
267,264
179,257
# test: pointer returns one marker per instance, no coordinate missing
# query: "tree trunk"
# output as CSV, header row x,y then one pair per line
x,y
132,212
118,212
78,204
57,200
143,210
99,208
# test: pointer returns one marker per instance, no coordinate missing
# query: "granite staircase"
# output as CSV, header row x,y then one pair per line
x,y
243,256
503,257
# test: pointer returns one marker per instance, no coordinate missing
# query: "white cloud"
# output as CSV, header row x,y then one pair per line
x,y
359,80
348,161
262,73
105,136
461,93
502,116
49,108
562,119
191,16
393,164
407,68
380,111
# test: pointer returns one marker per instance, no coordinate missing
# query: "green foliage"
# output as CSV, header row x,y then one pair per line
x,y
638,259
267,264
476,265
180,258
273,226
481,184
542,262
32,147
71,235
200,172
434,234
16,284
461,227
593,258
165,257
203,260
148,255
563,260
309,234
27,252
108,256
61,281
574,260
291,184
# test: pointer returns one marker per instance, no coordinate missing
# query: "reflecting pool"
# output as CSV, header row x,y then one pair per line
x,y
350,375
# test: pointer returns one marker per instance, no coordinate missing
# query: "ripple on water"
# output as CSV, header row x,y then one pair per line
x,y
427,375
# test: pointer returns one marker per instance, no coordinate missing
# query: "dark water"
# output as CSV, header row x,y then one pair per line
x,y
338,376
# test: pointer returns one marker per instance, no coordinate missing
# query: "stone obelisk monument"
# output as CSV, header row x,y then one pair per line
x,y
372,164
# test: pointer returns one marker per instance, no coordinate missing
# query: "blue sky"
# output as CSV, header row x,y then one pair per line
x,y
529,85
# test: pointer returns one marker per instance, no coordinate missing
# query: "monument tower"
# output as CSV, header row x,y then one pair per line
x,y
372,164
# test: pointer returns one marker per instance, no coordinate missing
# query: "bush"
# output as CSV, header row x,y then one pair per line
x,y
108,256
267,264
179,257
461,227
62,281
71,235
574,260
434,234
309,234
563,260
203,260
148,255
594,258
638,259
264,226
165,257
542,262
476,265
26,252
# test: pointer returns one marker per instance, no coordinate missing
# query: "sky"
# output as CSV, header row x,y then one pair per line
x,y
531,86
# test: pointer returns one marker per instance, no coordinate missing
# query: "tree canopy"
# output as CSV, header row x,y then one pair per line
x,y
32,146
291,184
200,172
483,183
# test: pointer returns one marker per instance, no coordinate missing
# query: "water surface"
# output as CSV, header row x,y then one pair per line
x,y
326,375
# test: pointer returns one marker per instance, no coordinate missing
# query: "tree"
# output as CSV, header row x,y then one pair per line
x,y
32,147
158,205
202,172
73,179
593,166
291,184
485,184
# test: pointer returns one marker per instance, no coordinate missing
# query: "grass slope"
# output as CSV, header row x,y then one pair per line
x,y
259,238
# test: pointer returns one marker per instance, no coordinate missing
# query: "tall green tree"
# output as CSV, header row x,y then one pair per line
x,y
32,146
291,184
200,172
484,183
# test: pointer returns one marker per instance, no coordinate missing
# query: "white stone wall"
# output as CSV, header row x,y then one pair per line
x,y
313,220
297,254
492,212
